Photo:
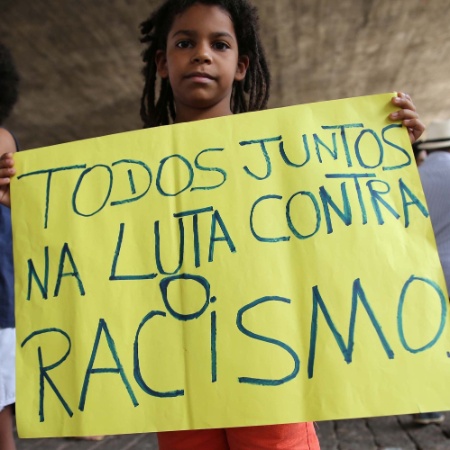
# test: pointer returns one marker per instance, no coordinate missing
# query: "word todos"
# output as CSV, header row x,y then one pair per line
x,y
347,142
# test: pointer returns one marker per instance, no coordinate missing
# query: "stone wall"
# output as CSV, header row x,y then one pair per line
x,y
80,59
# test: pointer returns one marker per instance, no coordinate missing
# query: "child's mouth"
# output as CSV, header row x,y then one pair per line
x,y
200,77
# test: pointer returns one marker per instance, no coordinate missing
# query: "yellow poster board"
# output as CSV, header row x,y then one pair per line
x,y
262,268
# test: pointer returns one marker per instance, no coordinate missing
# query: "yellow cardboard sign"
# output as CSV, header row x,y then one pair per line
x,y
262,268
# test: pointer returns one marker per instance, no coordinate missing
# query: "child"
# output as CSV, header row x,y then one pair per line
x,y
208,59
211,63
8,96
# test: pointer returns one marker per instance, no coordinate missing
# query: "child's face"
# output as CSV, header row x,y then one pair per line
x,y
202,61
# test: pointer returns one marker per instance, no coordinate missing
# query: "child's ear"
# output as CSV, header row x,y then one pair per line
x,y
161,64
242,66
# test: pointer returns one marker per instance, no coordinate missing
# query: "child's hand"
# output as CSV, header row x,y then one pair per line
x,y
6,172
408,115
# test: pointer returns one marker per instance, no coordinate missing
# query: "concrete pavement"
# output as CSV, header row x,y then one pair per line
x,y
384,433
379,433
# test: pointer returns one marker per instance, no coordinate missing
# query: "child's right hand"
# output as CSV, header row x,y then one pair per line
x,y
6,172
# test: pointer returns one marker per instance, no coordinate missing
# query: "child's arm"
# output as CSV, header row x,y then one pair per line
x,y
408,115
7,148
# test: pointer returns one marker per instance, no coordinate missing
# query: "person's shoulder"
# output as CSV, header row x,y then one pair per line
x,y
7,142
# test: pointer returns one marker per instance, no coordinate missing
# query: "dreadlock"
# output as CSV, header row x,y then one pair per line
x,y
251,94
9,83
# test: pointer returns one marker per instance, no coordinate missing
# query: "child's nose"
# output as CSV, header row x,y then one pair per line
x,y
202,54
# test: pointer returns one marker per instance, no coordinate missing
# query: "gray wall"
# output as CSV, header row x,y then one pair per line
x,y
80,59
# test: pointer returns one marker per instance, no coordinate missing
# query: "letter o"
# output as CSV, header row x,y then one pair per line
x,y
160,172
164,285
443,301
358,153
77,187
294,230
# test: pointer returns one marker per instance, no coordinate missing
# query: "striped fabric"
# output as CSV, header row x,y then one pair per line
x,y
435,176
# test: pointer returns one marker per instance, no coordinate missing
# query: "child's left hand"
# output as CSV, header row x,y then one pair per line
x,y
408,115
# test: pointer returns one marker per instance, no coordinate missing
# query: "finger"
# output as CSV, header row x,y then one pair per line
x,y
404,101
414,123
407,112
404,96
403,114
7,173
6,160
415,128
5,181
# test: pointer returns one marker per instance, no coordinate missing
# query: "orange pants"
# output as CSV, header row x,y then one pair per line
x,y
295,436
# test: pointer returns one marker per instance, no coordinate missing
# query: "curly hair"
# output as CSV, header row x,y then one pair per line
x,y
250,94
9,83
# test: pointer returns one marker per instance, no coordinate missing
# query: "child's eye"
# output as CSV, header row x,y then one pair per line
x,y
185,43
221,45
